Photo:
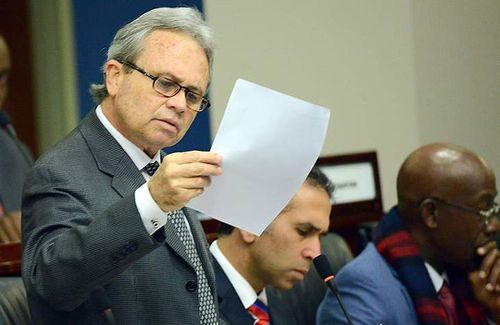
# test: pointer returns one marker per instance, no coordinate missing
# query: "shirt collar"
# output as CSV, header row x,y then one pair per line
x,y
243,289
139,157
436,278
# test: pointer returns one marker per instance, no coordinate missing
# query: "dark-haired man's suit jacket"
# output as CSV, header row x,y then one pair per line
x,y
84,241
232,311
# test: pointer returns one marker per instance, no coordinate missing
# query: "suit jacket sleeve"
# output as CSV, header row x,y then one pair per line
x,y
78,233
371,292
363,303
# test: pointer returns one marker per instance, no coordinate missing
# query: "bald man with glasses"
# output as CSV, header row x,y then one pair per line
x,y
433,259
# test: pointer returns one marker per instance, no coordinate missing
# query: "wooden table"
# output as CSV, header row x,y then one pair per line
x,y
10,259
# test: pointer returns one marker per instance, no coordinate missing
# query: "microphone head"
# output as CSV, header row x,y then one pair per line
x,y
323,268
325,272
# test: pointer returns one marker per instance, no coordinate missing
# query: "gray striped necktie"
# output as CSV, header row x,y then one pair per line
x,y
208,314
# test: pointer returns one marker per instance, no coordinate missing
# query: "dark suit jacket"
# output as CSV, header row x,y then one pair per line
x,y
15,163
82,232
372,293
232,310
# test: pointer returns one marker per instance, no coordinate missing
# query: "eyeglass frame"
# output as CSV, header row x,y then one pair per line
x,y
486,215
204,103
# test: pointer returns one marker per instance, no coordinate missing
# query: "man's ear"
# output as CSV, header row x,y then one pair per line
x,y
112,73
428,213
247,237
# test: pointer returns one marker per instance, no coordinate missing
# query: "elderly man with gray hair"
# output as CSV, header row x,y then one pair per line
x,y
106,236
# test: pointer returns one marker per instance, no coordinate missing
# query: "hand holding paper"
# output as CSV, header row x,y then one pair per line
x,y
269,142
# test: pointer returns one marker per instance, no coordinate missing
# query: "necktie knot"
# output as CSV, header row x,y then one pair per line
x,y
151,168
259,312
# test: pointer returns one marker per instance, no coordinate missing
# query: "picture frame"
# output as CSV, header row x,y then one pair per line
x,y
357,199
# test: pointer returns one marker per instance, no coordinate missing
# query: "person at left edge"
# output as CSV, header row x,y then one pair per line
x,y
251,270
96,226
15,158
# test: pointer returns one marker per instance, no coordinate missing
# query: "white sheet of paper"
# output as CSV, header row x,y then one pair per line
x,y
269,142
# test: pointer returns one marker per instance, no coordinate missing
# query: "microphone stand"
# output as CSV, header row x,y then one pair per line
x,y
325,272
333,287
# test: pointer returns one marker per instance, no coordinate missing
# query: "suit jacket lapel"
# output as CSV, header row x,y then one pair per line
x,y
230,305
110,156
200,241
173,240
126,178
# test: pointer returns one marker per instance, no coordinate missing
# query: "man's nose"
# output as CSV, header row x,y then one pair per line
x,y
313,248
178,101
493,225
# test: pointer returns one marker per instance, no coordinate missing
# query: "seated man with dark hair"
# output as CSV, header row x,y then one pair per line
x,y
433,259
303,299
245,263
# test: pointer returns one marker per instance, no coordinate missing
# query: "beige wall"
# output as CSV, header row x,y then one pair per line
x,y
458,74
54,70
369,62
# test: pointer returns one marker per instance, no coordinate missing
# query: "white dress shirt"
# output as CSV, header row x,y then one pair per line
x,y
153,217
436,278
243,289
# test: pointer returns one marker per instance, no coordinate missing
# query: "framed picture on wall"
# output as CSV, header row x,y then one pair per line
x,y
357,199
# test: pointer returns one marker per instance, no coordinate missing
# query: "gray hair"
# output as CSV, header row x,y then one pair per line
x,y
128,41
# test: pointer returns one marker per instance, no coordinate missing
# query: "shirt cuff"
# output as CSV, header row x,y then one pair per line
x,y
153,217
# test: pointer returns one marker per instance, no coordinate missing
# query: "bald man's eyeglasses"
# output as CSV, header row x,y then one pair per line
x,y
170,88
486,215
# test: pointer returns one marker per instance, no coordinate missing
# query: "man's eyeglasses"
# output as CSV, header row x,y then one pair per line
x,y
486,215
169,88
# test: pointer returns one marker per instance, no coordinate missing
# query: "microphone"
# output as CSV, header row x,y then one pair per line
x,y
325,272
103,304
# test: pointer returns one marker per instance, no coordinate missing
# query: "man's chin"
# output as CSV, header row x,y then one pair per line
x,y
284,285
168,141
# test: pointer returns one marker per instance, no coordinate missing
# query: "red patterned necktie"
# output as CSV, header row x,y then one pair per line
x,y
259,311
448,301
